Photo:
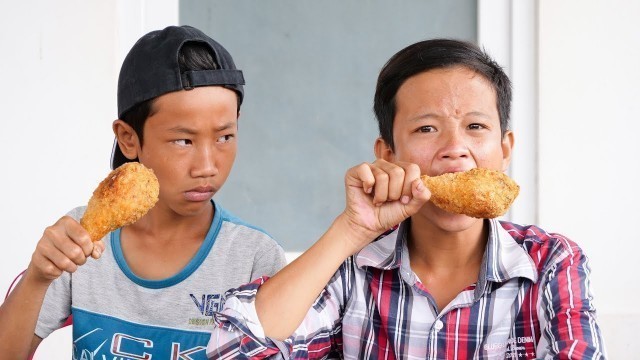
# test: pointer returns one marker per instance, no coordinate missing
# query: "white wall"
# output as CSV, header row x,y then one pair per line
x,y
58,99
589,162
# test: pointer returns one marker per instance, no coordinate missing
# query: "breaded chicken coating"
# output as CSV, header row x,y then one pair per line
x,y
479,193
122,198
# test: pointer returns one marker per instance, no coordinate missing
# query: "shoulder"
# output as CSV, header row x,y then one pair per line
x,y
545,248
234,220
235,228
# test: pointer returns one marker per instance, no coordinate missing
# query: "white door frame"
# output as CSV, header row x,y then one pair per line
x,y
137,17
508,31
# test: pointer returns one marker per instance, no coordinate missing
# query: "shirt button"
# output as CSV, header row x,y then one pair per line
x,y
438,325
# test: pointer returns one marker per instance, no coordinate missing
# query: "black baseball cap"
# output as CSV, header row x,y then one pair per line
x,y
151,69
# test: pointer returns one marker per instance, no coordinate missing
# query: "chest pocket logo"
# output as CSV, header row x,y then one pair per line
x,y
209,303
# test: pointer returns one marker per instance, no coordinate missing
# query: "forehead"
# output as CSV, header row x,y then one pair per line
x,y
207,103
447,89
200,110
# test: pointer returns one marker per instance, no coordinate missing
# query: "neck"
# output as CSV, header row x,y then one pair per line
x,y
433,248
161,225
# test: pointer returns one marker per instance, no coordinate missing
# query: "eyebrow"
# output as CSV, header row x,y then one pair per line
x,y
478,113
424,116
435,116
182,130
185,130
226,126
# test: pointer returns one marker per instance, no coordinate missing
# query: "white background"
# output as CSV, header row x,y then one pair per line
x,y
575,70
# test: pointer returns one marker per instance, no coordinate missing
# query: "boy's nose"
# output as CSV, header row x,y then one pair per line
x,y
204,164
454,147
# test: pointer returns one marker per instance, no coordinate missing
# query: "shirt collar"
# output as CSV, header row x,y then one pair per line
x,y
386,252
504,258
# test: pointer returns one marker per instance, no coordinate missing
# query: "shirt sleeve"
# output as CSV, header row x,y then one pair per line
x,y
238,332
566,312
268,260
56,306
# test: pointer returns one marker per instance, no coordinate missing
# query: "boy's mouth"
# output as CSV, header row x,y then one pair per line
x,y
451,170
201,193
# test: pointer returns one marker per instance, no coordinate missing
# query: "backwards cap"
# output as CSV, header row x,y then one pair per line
x,y
151,69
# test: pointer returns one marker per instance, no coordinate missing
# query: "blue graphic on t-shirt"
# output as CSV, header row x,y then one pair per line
x,y
101,337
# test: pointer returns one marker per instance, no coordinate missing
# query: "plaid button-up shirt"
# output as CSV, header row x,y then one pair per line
x,y
532,300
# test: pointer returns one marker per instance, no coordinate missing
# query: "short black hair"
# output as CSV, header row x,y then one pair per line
x,y
192,56
436,54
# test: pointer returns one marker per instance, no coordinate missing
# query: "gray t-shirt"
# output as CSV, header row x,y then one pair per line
x,y
119,315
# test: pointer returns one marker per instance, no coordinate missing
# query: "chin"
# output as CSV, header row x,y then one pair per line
x,y
448,222
190,208
196,208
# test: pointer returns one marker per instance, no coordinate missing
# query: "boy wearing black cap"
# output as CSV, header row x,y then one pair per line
x,y
158,281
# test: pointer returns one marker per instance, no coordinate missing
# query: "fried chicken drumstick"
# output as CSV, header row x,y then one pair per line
x,y
479,193
122,198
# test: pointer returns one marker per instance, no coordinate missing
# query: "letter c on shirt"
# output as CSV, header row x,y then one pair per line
x,y
117,340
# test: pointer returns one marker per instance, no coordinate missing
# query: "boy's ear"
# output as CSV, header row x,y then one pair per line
x,y
383,150
507,149
127,139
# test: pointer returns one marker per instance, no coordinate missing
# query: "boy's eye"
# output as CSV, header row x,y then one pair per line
x,y
426,129
476,126
182,142
225,138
